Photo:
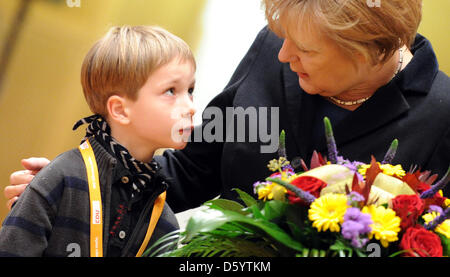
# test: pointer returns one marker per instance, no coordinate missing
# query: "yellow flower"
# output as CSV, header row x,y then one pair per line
x,y
385,225
327,212
271,191
277,165
447,201
443,228
388,169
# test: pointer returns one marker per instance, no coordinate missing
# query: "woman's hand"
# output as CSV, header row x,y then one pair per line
x,y
19,180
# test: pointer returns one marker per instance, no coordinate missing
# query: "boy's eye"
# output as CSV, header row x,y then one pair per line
x,y
170,92
191,91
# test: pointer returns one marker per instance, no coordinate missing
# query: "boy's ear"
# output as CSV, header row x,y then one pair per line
x,y
117,109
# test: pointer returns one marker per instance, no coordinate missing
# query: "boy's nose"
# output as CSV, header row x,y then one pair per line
x,y
188,105
191,110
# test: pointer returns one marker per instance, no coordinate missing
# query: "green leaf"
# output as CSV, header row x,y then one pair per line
x,y
295,230
398,253
328,128
217,245
256,212
166,243
295,218
205,221
340,247
390,154
282,141
445,244
282,145
270,228
224,204
274,209
208,220
246,198
360,253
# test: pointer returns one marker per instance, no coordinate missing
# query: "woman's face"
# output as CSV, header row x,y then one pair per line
x,y
321,66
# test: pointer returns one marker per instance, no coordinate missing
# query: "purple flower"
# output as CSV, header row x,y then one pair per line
x,y
353,166
390,154
436,187
355,225
331,143
257,185
289,169
354,198
435,208
438,220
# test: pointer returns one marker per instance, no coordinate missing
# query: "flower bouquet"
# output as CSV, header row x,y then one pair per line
x,y
334,208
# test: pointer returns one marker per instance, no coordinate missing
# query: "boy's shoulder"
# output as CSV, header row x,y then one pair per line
x,y
65,167
65,163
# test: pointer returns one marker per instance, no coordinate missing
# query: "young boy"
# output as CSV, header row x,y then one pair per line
x,y
138,81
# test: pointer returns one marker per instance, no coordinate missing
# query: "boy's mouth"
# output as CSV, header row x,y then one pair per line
x,y
186,131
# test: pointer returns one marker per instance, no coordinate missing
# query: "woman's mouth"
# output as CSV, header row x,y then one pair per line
x,y
302,75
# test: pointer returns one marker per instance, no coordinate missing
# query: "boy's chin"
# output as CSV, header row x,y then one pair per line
x,y
179,145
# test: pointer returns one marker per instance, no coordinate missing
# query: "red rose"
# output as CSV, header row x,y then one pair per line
x,y
306,183
421,242
408,208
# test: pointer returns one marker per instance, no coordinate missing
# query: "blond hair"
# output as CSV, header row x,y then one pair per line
x,y
121,62
375,32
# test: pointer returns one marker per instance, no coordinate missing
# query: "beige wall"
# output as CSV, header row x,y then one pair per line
x,y
436,27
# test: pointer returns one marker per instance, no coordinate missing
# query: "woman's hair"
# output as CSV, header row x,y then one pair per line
x,y
374,28
121,62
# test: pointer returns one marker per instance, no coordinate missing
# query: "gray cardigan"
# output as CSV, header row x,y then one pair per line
x,y
51,217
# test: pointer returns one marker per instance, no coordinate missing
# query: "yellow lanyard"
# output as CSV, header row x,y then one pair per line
x,y
156,213
96,222
95,199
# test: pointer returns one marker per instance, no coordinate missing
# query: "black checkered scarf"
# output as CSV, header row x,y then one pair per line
x,y
142,173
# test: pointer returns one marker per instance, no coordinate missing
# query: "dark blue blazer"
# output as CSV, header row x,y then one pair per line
x,y
413,108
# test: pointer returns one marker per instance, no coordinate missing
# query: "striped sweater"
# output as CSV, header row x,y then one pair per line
x,y
51,217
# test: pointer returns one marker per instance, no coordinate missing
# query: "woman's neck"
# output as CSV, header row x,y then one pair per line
x,y
378,76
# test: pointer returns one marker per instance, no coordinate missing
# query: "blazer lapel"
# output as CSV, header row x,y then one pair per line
x,y
386,105
300,110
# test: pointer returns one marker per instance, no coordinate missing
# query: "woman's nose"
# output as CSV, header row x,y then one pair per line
x,y
286,54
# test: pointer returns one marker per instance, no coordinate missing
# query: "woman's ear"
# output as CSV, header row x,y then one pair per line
x,y
117,109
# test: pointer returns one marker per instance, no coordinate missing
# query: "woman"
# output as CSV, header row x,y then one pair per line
x,y
364,67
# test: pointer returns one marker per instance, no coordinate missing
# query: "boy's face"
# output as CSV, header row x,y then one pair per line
x,y
162,114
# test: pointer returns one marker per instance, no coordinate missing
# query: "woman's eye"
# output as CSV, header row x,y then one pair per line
x,y
304,51
191,91
170,92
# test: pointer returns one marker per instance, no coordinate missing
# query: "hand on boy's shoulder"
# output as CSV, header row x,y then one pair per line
x,y
35,164
19,180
